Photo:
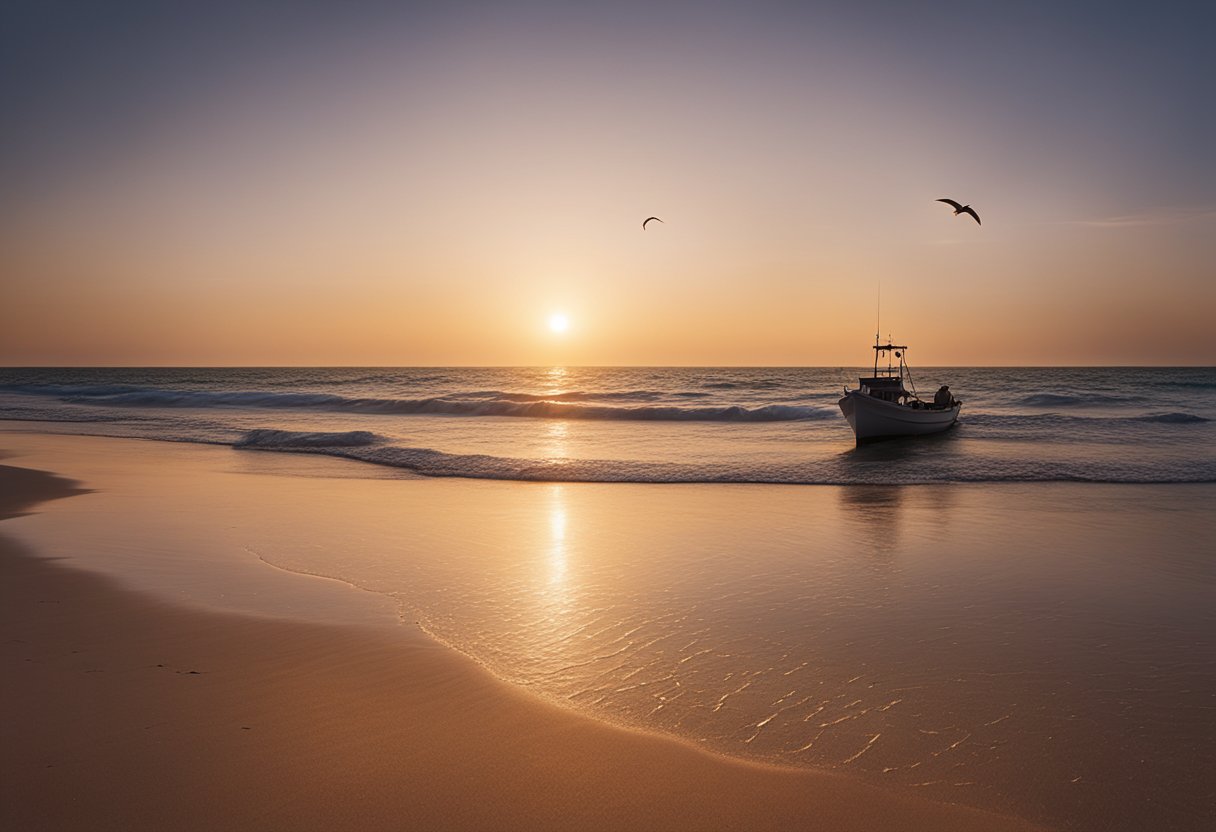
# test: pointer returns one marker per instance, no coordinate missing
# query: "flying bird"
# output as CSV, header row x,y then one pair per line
x,y
648,219
962,209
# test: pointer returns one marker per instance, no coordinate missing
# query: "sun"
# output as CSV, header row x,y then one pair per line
x,y
558,322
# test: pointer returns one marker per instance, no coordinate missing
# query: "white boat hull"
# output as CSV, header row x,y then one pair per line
x,y
873,418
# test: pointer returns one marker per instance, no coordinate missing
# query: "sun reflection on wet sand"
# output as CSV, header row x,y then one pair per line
x,y
557,536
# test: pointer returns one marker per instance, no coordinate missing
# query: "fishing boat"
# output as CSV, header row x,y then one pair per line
x,y
882,407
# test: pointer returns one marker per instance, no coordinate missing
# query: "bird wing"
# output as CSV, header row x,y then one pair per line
x,y
971,211
648,219
956,206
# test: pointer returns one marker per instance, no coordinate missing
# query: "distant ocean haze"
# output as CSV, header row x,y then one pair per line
x,y
777,425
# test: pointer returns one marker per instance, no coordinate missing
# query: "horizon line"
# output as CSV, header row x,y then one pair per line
x,y
581,366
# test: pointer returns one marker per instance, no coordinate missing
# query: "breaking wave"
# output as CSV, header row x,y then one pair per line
x,y
285,439
849,471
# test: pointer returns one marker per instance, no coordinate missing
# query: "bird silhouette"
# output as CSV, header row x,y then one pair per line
x,y
962,209
648,219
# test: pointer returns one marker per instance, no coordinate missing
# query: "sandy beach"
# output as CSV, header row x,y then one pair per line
x,y
127,712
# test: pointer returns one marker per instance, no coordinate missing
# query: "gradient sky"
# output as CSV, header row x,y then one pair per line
x,y
425,184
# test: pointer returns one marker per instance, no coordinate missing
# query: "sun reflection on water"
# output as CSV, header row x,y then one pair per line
x,y
556,433
555,378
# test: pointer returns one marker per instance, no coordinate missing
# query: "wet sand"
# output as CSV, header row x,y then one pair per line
x,y
126,712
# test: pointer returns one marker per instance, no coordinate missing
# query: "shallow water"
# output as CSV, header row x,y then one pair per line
x,y
1043,650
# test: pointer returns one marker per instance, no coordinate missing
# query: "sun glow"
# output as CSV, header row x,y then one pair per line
x,y
558,322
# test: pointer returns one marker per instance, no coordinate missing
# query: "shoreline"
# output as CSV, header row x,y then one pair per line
x,y
300,725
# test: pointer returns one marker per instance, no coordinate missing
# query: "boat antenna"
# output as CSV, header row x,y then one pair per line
x,y
878,314
877,325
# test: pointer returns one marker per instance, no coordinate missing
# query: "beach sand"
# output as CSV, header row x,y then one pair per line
x,y
125,711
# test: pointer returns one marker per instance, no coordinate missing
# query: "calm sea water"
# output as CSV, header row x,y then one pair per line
x,y
653,424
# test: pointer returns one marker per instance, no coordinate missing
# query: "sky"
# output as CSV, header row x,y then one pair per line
x,y
428,184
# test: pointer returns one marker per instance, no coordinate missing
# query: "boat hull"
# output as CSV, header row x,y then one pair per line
x,y
872,418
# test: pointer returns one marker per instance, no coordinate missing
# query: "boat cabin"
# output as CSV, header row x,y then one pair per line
x,y
887,383
887,388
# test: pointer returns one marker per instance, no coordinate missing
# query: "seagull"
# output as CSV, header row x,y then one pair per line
x,y
648,219
962,209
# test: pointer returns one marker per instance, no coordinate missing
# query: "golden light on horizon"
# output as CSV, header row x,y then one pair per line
x,y
559,322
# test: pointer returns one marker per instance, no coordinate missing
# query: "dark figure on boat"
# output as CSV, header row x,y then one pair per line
x,y
943,398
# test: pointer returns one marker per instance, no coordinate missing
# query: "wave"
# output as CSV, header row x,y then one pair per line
x,y
1172,418
1075,399
514,405
433,463
133,393
577,396
663,413
268,438
1188,385
743,385
1048,419
72,389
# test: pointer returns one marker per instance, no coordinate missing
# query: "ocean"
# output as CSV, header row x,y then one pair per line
x,y
1016,614
584,424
